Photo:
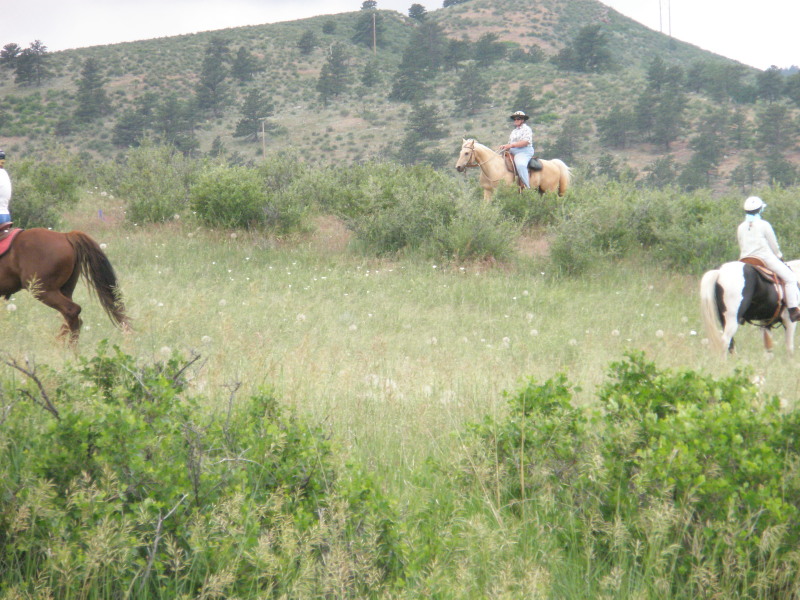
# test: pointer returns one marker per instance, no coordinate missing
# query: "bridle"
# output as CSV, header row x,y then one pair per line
x,y
471,162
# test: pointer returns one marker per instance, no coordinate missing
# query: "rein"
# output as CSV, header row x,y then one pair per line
x,y
480,164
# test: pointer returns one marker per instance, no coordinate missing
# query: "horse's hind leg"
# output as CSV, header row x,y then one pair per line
x,y
71,311
728,331
768,342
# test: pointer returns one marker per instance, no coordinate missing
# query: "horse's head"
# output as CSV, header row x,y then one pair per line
x,y
465,158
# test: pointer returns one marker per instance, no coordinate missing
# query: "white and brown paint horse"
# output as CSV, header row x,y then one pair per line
x,y
736,294
554,176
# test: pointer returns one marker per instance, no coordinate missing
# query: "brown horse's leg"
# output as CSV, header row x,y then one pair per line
x,y
71,311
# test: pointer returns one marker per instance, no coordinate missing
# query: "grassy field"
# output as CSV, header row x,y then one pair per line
x,y
392,356
397,362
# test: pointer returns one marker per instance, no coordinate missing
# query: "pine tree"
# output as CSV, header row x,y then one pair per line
x,y
333,79
91,97
307,42
9,54
254,110
30,66
417,12
588,53
770,84
212,91
424,125
371,74
369,28
469,92
616,128
244,65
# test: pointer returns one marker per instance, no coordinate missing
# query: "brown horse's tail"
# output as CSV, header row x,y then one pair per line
x,y
99,275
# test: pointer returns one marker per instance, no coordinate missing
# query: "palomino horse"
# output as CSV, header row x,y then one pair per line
x,y
48,264
554,176
737,293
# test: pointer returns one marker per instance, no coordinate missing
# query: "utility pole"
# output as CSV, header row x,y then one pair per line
x,y
374,36
263,138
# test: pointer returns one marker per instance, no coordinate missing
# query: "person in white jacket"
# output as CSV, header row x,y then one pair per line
x,y
757,240
5,191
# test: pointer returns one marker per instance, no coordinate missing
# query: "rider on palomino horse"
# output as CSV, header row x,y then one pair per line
x,y
520,144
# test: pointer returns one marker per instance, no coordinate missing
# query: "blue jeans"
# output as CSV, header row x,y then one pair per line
x,y
522,156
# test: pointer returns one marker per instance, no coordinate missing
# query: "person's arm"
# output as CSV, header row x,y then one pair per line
x,y
519,144
772,240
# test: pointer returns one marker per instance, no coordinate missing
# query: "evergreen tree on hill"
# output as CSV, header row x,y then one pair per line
x,y
212,90
254,109
91,97
30,65
369,27
244,65
334,77
588,53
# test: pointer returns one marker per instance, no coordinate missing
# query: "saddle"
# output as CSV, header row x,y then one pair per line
x,y
766,273
535,164
7,236
769,276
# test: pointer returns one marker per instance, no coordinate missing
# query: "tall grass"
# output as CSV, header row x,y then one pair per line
x,y
393,358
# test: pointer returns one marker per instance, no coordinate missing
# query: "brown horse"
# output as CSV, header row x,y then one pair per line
x,y
554,176
48,264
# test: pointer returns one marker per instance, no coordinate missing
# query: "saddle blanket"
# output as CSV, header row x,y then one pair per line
x,y
5,243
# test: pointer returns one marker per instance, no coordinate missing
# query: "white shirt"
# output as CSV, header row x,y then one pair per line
x,y
5,191
523,132
757,239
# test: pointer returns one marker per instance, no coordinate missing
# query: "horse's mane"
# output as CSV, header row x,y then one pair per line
x,y
474,142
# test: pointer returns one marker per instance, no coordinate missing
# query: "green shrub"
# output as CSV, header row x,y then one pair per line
x,y
674,476
231,197
42,189
154,180
476,232
127,487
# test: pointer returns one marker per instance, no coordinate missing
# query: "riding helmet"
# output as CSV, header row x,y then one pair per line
x,y
2,155
754,204
519,115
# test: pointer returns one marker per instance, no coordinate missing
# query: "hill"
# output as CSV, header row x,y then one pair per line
x,y
151,87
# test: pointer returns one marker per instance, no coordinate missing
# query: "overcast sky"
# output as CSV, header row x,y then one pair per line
x,y
759,34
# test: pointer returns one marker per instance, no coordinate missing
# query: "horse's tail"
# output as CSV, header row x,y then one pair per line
x,y
565,177
99,276
709,309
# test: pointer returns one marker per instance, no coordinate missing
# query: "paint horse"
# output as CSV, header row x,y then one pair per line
x,y
738,293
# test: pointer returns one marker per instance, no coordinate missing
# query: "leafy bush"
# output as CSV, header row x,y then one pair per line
x,y
679,474
693,232
125,486
476,232
154,179
42,189
230,197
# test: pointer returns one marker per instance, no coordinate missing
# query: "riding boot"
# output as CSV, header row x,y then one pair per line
x,y
794,314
